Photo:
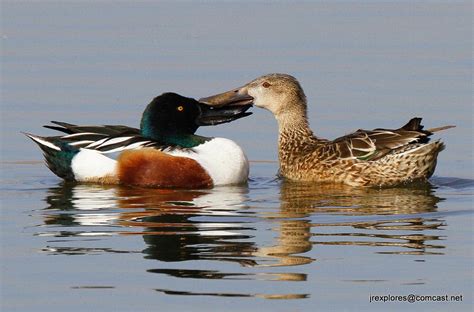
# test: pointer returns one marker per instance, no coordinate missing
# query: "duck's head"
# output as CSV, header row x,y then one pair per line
x,y
172,118
279,93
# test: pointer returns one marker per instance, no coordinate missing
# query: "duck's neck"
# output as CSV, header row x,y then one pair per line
x,y
174,138
295,136
186,141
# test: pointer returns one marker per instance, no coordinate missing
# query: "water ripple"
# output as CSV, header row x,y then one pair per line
x,y
270,226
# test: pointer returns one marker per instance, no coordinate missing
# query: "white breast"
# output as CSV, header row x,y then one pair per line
x,y
223,160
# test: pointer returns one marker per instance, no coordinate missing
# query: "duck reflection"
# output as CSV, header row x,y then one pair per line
x,y
176,225
227,225
183,225
384,216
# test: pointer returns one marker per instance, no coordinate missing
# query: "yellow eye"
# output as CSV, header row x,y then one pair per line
x,y
180,108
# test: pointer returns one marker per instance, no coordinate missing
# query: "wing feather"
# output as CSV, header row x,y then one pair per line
x,y
374,144
105,139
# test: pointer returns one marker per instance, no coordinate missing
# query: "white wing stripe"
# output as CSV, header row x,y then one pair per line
x,y
115,141
80,142
97,143
127,147
137,144
77,134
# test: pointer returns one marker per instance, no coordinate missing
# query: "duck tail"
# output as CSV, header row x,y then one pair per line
x,y
413,125
58,155
44,143
441,128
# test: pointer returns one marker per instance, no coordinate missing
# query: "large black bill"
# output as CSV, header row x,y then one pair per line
x,y
211,116
236,97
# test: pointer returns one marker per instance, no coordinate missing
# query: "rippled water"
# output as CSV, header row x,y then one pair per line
x,y
132,248
363,64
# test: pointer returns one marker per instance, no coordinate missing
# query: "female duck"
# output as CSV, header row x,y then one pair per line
x,y
164,152
379,157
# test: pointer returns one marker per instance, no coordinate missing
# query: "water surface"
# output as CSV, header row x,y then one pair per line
x,y
134,248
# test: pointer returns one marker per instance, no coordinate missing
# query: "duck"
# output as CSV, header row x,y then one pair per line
x,y
164,152
372,158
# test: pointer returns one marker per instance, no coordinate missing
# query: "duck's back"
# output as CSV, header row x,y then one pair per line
x,y
379,157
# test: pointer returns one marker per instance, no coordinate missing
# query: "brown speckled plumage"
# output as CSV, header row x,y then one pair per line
x,y
303,157
379,157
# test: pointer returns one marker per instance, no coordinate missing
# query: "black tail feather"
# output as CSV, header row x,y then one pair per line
x,y
61,126
109,130
413,125
58,156
58,129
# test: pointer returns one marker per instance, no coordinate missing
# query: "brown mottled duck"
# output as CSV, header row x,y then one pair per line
x,y
379,157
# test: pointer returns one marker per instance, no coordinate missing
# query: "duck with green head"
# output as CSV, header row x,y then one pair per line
x,y
164,152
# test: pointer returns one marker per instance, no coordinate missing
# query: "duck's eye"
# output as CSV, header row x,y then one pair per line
x,y
266,84
180,108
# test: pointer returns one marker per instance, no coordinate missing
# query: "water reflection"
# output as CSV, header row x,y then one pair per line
x,y
234,225
389,208
303,199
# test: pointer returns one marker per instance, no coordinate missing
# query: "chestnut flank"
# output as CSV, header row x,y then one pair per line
x,y
151,168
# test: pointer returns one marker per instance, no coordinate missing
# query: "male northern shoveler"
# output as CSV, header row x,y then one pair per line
x,y
379,157
164,152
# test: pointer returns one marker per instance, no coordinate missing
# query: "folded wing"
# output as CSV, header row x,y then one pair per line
x,y
372,145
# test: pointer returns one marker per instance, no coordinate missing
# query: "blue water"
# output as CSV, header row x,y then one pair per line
x,y
269,245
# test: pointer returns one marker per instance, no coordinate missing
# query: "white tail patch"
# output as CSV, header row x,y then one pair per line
x,y
43,142
89,164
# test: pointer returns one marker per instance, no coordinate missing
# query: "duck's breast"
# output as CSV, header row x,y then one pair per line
x,y
222,159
